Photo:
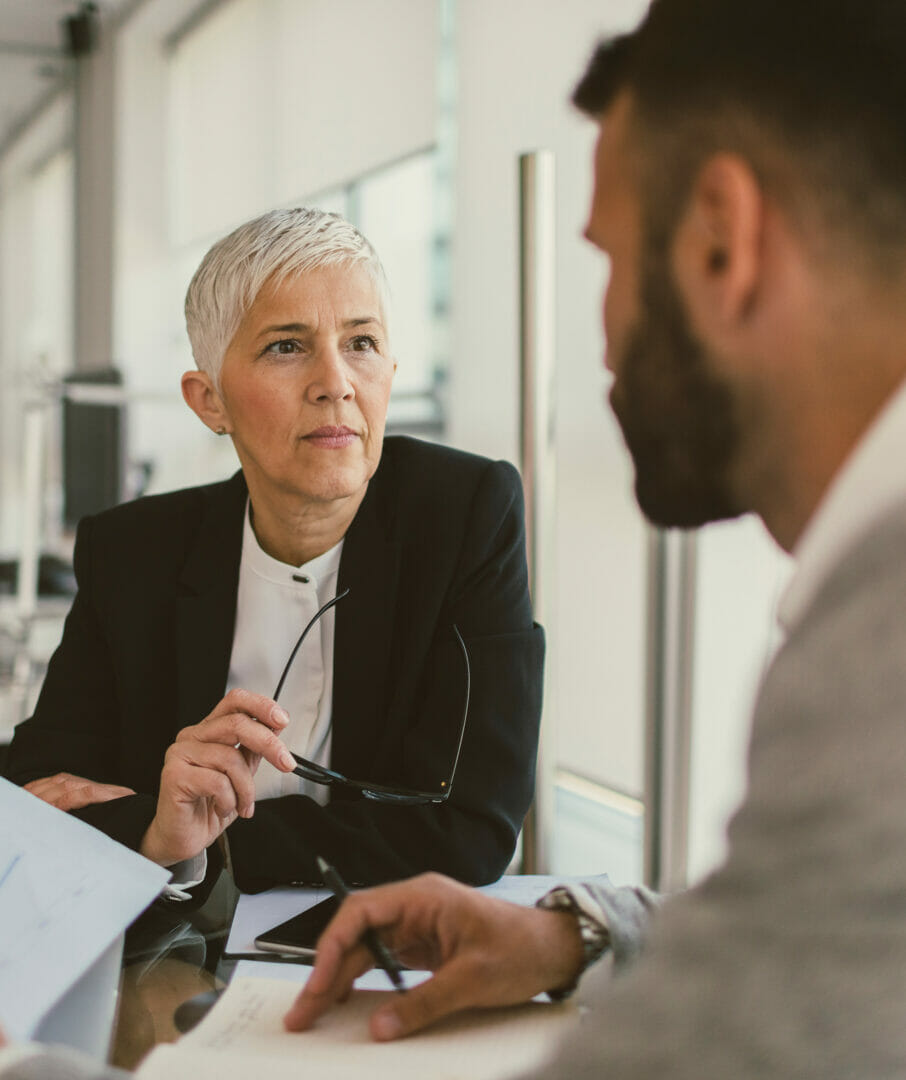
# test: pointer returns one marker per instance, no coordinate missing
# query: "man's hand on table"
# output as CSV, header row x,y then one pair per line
x,y
483,952
208,776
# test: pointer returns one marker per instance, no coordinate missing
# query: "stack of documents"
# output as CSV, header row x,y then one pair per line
x,y
67,892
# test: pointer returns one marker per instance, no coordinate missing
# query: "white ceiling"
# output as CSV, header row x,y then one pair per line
x,y
32,56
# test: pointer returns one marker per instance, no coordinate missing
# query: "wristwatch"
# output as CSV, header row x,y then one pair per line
x,y
592,927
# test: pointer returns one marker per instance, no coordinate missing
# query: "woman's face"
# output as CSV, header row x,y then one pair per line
x,y
305,385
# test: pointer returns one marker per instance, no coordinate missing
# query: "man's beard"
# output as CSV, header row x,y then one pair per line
x,y
677,416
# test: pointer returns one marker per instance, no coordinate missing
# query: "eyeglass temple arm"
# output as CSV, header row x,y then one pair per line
x,y
311,622
465,711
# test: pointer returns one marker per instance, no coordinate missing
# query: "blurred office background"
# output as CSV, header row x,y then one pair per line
x,y
133,133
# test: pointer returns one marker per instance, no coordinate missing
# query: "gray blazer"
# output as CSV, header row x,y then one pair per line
x,y
790,960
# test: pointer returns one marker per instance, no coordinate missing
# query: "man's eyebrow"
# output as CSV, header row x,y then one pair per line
x,y
304,328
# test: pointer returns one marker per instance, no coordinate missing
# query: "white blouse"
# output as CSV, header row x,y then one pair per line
x,y
274,603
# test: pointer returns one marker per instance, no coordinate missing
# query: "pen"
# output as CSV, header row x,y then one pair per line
x,y
372,942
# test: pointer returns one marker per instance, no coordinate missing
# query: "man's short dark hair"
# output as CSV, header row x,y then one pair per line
x,y
811,92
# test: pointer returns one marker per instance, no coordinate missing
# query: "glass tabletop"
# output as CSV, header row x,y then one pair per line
x,y
171,957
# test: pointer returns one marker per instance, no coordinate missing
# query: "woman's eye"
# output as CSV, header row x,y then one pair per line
x,y
364,343
283,348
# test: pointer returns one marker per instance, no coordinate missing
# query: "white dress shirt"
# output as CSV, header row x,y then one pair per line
x,y
274,603
870,483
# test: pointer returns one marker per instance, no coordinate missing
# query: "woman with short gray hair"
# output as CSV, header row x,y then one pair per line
x,y
330,654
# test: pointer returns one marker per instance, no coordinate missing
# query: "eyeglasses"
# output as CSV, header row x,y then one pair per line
x,y
380,792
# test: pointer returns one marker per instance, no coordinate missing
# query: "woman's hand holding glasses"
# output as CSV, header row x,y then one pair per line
x,y
208,777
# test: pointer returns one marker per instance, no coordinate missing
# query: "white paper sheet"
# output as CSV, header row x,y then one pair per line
x,y
244,1034
66,891
257,912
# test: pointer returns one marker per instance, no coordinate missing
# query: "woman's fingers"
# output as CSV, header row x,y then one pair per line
x,y
264,709
256,733
66,791
208,775
213,786
232,785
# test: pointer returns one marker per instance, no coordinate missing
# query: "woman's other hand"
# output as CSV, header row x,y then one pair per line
x,y
68,792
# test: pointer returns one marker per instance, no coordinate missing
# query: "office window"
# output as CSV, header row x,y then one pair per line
x,y
36,280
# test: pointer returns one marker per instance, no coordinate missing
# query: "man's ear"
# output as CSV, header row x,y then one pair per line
x,y
202,397
718,248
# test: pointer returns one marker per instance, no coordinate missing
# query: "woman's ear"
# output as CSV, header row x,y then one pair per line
x,y
204,400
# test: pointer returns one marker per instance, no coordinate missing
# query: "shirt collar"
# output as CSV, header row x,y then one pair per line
x,y
317,570
870,482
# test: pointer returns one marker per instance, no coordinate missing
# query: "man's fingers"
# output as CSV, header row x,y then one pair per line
x,y
333,987
450,990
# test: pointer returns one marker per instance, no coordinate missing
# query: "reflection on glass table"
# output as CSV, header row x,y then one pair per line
x,y
172,955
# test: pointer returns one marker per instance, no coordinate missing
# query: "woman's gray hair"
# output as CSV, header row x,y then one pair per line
x,y
276,245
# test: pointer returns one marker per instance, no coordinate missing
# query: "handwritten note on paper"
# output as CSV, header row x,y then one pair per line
x,y
246,1027
66,891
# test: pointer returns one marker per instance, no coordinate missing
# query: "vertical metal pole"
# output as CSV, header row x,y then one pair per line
x,y
654,708
672,573
34,435
94,131
31,521
537,343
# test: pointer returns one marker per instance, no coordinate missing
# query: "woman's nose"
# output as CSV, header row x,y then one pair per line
x,y
329,378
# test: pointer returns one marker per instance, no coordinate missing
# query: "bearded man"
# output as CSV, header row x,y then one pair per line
x,y
749,191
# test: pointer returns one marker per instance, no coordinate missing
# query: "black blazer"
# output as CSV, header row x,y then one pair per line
x,y
439,539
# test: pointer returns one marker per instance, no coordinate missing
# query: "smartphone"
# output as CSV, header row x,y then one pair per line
x,y
299,935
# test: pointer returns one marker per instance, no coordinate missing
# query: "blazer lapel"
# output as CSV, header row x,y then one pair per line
x,y
206,605
369,568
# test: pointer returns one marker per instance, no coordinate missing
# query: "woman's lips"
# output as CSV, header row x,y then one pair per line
x,y
330,437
